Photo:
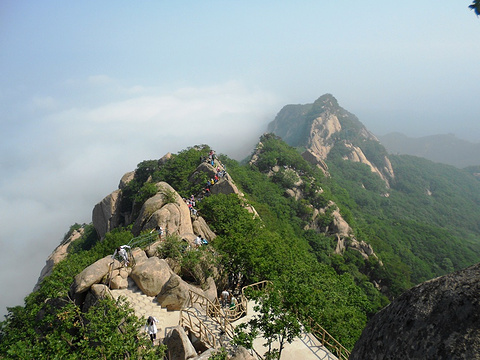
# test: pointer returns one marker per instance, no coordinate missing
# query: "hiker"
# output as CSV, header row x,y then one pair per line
x,y
198,241
233,302
225,296
159,231
151,328
121,250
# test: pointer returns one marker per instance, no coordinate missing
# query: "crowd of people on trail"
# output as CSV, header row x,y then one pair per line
x,y
191,205
220,172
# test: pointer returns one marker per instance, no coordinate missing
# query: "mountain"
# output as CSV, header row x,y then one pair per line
x,y
323,125
420,215
445,149
336,225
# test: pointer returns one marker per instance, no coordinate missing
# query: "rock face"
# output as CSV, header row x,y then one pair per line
x,y
174,217
56,256
105,215
151,275
93,274
315,159
178,344
175,293
438,319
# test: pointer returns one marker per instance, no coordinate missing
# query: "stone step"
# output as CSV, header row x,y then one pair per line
x,y
145,306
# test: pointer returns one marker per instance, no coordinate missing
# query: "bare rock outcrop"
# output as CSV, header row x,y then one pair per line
x,y
93,274
315,159
356,155
56,256
126,179
175,293
97,292
438,319
320,136
106,215
200,227
174,217
178,344
151,275
224,186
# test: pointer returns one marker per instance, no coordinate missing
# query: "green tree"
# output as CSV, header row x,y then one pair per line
x,y
274,322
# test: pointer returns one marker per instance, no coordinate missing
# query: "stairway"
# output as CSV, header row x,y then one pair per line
x,y
145,306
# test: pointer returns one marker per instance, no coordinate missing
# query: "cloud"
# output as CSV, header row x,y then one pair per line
x,y
73,148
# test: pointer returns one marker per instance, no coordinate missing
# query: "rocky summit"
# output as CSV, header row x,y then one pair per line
x,y
438,319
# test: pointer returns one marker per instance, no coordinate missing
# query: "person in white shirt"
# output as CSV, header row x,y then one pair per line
x,y
121,250
151,328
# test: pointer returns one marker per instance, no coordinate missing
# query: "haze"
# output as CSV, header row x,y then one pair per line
x,y
89,89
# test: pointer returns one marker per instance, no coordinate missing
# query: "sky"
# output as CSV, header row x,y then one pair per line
x,y
89,89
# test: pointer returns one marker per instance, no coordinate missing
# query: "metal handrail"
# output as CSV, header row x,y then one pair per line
x,y
328,340
190,320
213,310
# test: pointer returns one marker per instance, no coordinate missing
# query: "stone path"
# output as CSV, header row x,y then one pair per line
x,y
306,347
145,306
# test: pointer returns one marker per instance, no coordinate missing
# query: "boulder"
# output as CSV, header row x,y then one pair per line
x,y
204,167
97,292
105,215
126,179
151,275
174,217
438,319
210,291
174,294
119,278
242,353
178,345
139,256
94,274
200,227
152,249
224,186
206,355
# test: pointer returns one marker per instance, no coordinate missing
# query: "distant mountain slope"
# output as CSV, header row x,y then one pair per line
x,y
420,217
446,149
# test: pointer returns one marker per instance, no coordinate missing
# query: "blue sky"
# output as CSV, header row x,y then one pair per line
x,y
91,88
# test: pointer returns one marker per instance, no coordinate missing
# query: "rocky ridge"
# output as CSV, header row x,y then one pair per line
x,y
338,227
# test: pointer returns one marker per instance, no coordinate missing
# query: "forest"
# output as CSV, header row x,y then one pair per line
x,y
416,235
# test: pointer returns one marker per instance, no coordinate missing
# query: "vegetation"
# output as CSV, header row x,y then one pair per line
x,y
51,326
424,225
277,324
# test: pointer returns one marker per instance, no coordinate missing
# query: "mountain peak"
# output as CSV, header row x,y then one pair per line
x,y
323,126
325,102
